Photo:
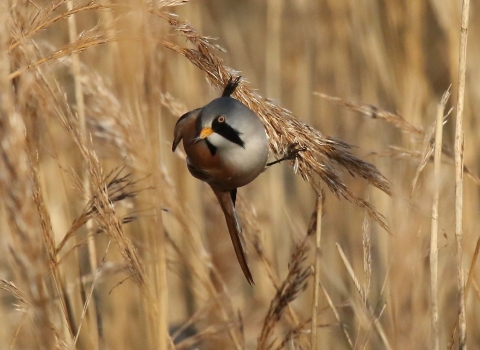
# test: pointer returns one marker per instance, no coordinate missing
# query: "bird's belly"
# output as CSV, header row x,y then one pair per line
x,y
245,168
235,169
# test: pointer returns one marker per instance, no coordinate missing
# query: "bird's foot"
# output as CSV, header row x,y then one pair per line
x,y
293,150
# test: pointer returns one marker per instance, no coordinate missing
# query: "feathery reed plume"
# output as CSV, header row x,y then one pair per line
x,y
28,20
118,187
80,44
102,200
31,242
31,261
40,18
253,235
54,260
102,204
295,282
399,122
324,158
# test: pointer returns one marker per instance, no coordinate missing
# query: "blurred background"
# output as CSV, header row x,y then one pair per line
x,y
107,241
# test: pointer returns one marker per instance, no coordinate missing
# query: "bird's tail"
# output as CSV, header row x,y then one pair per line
x,y
226,202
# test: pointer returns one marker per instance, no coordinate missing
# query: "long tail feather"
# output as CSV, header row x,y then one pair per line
x,y
225,200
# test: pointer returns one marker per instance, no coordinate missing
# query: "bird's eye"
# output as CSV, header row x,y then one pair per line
x,y
221,119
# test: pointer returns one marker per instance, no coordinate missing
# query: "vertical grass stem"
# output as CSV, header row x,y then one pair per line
x,y
459,147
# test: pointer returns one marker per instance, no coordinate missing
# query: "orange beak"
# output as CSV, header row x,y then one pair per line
x,y
206,132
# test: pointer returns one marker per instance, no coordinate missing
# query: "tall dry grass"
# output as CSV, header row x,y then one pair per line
x,y
108,242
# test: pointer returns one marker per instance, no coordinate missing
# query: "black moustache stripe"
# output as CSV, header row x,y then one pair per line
x,y
211,148
232,135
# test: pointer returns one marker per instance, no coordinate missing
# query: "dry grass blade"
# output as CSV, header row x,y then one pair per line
x,y
354,278
106,118
434,225
367,257
325,157
91,249
292,286
459,164
375,112
54,260
472,265
166,3
372,322
89,298
316,286
337,316
194,341
403,153
188,336
11,288
427,152
253,236
362,293
174,106
44,217
220,305
297,332
470,281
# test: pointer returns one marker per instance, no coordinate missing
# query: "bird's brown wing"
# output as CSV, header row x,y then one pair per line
x,y
185,127
225,200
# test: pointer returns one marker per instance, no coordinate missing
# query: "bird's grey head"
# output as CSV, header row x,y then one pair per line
x,y
226,122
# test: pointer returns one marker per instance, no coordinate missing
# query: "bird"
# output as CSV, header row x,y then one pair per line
x,y
227,147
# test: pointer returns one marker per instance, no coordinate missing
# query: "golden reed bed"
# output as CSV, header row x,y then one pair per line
x,y
108,243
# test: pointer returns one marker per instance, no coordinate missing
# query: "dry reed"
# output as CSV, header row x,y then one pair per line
x,y
459,146
323,156
89,94
439,121
294,283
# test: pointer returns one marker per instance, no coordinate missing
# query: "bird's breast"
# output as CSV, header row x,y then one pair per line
x,y
225,169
